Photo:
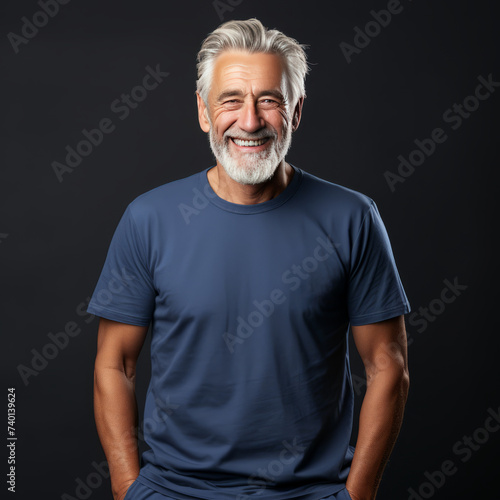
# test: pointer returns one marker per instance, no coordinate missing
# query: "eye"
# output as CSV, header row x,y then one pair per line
x,y
231,103
269,103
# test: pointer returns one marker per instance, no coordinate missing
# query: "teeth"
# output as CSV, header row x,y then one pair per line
x,y
249,143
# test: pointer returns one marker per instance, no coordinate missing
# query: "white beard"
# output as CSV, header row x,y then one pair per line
x,y
251,168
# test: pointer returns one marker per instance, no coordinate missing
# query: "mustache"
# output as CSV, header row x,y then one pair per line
x,y
261,134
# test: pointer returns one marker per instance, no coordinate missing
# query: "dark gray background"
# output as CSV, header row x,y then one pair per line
x,y
358,117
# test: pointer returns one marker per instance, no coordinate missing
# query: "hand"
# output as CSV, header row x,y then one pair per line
x,y
353,495
124,489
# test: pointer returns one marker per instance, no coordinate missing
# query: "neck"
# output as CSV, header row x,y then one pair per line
x,y
249,194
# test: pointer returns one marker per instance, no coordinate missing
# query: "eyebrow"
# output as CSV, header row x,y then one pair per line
x,y
238,93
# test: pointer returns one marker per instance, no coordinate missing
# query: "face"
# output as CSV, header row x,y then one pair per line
x,y
248,119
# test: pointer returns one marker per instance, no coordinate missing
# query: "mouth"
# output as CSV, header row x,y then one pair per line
x,y
243,143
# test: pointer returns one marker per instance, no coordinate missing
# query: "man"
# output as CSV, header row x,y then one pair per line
x,y
250,273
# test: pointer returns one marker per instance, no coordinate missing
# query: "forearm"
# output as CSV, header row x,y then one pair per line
x,y
115,409
379,423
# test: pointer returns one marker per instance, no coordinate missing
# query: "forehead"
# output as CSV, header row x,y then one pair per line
x,y
244,71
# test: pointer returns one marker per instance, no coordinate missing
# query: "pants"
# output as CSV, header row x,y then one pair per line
x,y
139,491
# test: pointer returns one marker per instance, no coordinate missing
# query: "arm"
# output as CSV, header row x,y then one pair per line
x,y
115,406
383,349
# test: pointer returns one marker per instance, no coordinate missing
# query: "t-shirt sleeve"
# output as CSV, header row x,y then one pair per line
x,y
375,291
125,291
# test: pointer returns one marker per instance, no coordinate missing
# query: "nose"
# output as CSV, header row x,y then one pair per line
x,y
249,119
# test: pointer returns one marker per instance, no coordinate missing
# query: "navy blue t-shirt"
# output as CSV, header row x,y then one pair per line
x,y
250,393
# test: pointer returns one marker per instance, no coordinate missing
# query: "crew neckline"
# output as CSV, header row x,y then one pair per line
x,y
255,208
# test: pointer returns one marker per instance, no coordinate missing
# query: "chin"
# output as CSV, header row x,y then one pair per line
x,y
255,173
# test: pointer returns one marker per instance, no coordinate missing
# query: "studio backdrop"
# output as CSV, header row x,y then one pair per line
x,y
98,107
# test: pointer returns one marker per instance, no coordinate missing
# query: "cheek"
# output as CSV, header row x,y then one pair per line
x,y
222,123
279,121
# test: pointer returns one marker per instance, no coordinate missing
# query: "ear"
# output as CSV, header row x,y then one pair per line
x,y
202,114
297,114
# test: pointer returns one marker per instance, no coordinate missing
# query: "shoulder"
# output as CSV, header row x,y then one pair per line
x,y
166,198
334,196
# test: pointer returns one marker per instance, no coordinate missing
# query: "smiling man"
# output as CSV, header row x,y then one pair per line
x,y
251,127
250,294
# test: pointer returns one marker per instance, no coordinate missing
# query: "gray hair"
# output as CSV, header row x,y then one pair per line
x,y
252,37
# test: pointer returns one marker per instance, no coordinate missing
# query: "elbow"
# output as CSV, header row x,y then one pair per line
x,y
112,366
400,378
396,378
405,383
